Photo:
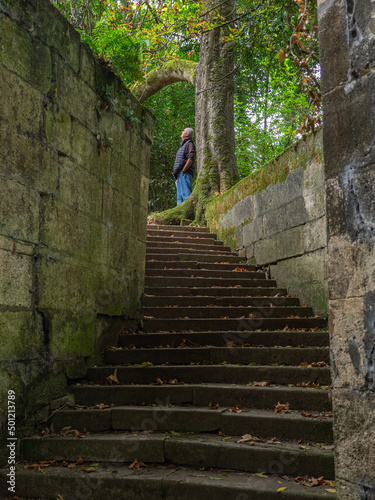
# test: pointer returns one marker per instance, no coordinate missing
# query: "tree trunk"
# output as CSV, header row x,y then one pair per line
x,y
214,106
214,114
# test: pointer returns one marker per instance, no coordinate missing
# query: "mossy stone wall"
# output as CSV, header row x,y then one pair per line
x,y
74,166
276,217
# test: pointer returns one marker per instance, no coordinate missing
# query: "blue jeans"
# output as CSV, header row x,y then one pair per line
x,y
183,185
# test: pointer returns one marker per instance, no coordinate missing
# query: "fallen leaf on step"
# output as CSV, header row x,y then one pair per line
x,y
281,489
214,407
236,409
281,408
101,406
136,465
258,384
112,379
174,381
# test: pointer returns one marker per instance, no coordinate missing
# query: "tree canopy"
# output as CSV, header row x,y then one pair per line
x,y
276,69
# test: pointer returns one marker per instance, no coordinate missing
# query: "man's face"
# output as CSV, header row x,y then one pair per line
x,y
184,135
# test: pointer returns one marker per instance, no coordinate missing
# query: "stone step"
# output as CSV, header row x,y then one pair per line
x,y
178,264
206,273
259,292
260,423
201,257
191,245
196,451
194,251
186,229
226,301
254,312
202,394
225,374
216,355
220,338
196,281
187,233
183,238
158,483
239,324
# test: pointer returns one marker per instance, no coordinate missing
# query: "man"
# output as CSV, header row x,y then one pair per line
x,y
184,167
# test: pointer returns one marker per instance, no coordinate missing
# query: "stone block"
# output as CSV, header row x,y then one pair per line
x,y
111,292
24,55
122,175
350,267
58,128
336,212
21,335
80,189
347,329
136,255
275,221
292,188
117,209
66,230
315,235
108,330
315,203
112,128
21,103
243,210
65,284
134,302
227,219
313,177
71,334
348,132
56,32
74,96
21,12
333,43
118,249
19,209
295,212
290,242
139,222
266,251
253,231
354,437
16,247
87,152
16,279
87,65
27,160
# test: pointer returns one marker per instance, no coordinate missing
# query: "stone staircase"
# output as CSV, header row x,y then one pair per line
x,y
224,392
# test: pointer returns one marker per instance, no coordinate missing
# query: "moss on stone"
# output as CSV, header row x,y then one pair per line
x,y
297,155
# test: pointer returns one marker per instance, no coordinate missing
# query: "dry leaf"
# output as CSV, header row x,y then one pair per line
x,y
281,489
214,407
281,408
136,465
113,378
236,409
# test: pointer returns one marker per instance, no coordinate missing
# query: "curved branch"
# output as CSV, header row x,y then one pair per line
x,y
171,72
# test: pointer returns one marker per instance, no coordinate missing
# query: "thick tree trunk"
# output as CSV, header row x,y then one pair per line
x,y
214,106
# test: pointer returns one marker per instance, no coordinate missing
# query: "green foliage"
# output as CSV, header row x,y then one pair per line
x,y
174,108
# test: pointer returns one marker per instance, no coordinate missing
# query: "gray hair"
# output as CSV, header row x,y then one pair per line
x,y
190,131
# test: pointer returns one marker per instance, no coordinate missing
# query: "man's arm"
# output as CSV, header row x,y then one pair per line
x,y
190,153
187,165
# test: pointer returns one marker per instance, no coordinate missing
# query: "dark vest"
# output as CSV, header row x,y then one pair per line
x,y
181,159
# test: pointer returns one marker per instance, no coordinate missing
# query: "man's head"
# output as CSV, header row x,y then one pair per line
x,y
187,133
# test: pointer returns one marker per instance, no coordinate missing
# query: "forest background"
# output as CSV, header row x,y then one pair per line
x,y
276,70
